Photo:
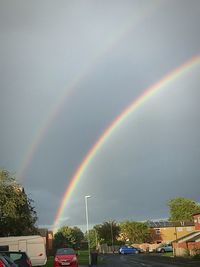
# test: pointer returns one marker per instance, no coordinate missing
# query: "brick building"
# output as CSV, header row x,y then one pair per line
x,y
166,232
189,244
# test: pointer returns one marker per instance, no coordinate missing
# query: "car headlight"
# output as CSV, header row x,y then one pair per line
x,y
74,258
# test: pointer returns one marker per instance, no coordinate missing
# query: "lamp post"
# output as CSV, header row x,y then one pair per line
x,y
86,213
111,228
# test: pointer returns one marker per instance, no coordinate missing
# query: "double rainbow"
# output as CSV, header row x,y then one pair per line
x,y
139,101
126,28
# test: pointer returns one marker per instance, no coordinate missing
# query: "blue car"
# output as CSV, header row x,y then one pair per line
x,y
128,250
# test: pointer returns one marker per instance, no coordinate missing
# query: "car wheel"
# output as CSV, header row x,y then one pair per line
x,y
136,252
162,250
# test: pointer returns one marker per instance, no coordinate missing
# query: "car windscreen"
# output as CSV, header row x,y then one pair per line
x,y
10,261
18,258
3,261
65,251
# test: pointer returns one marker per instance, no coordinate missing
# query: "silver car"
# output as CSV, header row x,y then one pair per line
x,y
165,248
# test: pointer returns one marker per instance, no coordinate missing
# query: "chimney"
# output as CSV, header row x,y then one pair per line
x,y
196,217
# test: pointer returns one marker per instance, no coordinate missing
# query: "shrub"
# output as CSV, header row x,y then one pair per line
x,y
196,253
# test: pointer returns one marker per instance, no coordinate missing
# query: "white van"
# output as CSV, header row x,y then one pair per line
x,y
34,246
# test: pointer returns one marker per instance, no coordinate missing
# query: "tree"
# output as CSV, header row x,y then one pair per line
x,y
17,215
68,237
182,209
134,232
93,238
107,232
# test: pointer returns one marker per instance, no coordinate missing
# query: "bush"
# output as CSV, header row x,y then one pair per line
x,y
186,253
196,253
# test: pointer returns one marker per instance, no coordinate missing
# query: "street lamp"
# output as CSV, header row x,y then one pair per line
x,y
112,235
86,213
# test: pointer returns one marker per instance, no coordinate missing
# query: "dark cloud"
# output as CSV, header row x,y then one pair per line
x,y
101,56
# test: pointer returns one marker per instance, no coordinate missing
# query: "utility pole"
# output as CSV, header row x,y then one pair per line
x,y
87,224
111,228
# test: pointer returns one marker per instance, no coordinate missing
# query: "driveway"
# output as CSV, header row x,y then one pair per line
x,y
146,260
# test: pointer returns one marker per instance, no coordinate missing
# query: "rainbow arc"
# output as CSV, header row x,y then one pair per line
x,y
136,103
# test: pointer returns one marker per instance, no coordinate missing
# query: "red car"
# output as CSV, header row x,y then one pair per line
x,y
65,257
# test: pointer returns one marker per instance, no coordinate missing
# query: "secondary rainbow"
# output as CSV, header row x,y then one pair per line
x,y
136,103
129,25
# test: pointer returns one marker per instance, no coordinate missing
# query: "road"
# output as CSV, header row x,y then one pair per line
x,y
146,260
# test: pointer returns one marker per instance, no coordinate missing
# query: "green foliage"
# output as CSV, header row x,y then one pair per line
x,y
107,232
182,209
50,261
93,238
134,232
83,258
168,254
196,253
17,215
68,237
186,253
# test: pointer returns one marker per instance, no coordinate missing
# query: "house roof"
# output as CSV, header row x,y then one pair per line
x,y
193,239
196,213
164,224
188,238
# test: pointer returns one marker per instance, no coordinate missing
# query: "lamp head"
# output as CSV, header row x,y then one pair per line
x,y
87,196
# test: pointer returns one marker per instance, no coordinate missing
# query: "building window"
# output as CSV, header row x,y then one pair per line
x,y
179,229
157,231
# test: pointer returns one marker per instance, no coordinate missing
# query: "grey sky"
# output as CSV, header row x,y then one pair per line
x,y
110,51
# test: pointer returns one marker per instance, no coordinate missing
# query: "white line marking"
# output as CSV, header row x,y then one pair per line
x,y
145,264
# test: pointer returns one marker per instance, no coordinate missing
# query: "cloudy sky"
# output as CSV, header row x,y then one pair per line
x,y
67,70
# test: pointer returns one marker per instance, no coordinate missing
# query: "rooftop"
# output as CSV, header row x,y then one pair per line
x,y
164,224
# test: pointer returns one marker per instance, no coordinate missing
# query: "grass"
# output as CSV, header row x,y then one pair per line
x,y
50,260
83,257
168,254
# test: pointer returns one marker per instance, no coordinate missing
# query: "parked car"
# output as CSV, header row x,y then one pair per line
x,y
18,257
1,262
65,257
5,261
141,250
33,245
164,248
128,250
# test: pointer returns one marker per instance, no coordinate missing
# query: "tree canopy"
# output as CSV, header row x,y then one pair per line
x,y
134,232
17,215
93,238
182,209
107,232
68,237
